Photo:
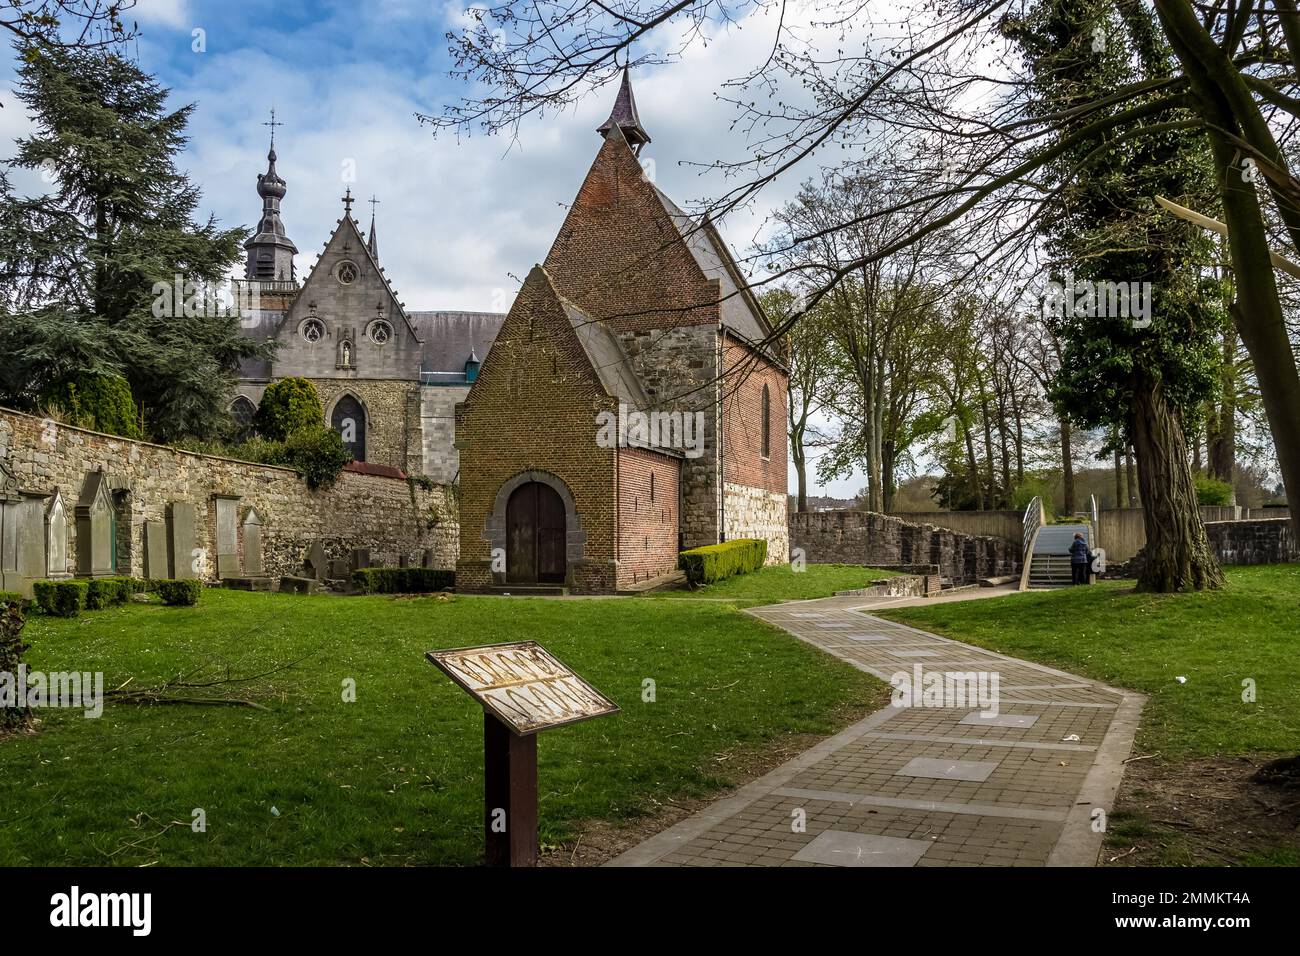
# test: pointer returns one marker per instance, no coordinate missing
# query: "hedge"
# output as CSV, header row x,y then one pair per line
x,y
60,598
713,562
402,580
179,592
11,597
107,592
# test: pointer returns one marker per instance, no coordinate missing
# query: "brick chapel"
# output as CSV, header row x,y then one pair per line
x,y
638,310
639,315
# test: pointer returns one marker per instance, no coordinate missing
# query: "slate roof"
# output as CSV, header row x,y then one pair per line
x,y
624,116
607,357
741,312
450,338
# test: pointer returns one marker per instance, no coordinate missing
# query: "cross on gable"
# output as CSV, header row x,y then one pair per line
x,y
348,201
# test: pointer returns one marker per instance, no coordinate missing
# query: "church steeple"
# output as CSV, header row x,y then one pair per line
x,y
373,244
270,251
625,117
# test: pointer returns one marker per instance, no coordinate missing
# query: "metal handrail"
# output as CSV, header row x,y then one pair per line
x,y
1096,523
1034,519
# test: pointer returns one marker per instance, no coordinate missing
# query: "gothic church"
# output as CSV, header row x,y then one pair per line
x,y
637,308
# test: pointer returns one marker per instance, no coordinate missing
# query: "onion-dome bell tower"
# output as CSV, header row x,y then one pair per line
x,y
270,251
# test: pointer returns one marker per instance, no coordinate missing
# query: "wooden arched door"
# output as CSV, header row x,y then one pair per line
x,y
535,538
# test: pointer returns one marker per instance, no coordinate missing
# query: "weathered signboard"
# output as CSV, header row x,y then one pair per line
x,y
523,685
523,689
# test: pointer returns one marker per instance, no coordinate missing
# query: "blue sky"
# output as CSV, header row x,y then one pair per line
x,y
457,221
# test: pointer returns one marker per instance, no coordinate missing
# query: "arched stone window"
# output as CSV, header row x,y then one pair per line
x,y
242,411
767,423
349,420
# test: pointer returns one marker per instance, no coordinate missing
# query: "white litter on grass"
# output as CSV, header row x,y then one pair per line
x,y
275,811
1181,680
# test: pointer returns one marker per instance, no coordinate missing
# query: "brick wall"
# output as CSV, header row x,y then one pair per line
x,y
861,537
647,532
619,256
534,408
390,516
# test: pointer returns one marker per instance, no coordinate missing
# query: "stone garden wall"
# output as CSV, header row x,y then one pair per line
x,y
862,537
1259,541
146,507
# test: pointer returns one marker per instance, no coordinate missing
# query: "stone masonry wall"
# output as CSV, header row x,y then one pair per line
x,y
391,517
861,537
754,513
1258,541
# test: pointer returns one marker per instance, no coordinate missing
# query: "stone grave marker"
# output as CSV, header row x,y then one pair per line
x,y
96,528
181,541
252,543
227,508
56,539
155,550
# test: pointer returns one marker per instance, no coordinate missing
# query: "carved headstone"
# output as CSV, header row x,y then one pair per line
x,y
227,536
56,539
360,558
316,565
426,559
181,542
96,528
155,550
31,538
252,543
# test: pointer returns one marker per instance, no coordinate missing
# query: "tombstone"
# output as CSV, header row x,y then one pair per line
x,y
360,558
340,571
96,529
289,584
31,539
426,559
181,542
252,543
56,539
155,550
316,565
11,504
403,561
227,508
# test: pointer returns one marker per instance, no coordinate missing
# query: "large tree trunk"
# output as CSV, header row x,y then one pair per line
x,y
1228,109
887,474
1177,555
1134,498
1221,431
1120,498
1067,466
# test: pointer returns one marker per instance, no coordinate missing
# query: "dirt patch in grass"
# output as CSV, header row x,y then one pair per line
x,y
602,840
1210,811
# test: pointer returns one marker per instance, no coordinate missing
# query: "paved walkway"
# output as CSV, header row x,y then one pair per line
x,y
928,785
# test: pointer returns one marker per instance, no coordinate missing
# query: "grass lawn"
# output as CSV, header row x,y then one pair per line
x,y
1195,802
780,582
396,777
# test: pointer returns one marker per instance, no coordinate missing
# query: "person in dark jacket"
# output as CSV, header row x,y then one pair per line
x,y
1079,558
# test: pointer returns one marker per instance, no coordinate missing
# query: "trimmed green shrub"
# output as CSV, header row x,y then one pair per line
x,y
60,598
1212,491
179,592
318,452
11,597
102,403
288,405
402,580
108,592
714,562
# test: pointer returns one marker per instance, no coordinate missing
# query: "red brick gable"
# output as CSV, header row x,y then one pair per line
x,y
619,255
537,351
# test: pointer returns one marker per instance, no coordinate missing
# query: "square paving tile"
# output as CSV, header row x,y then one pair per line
x,y
1001,720
976,770
840,848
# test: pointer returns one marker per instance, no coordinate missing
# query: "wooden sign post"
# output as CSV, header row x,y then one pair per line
x,y
524,689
